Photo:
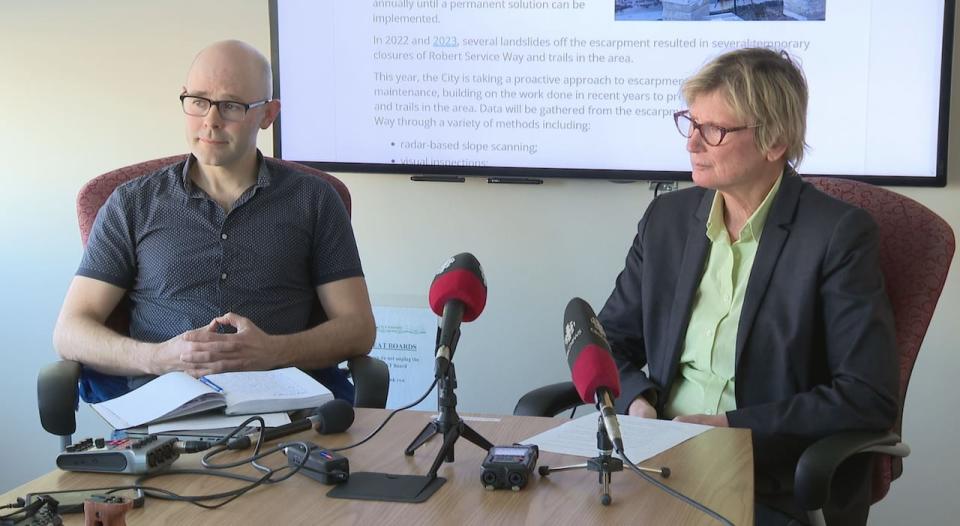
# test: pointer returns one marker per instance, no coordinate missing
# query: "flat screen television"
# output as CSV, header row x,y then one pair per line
x,y
588,88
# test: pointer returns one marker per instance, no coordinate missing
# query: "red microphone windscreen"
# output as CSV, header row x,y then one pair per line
x,y
459,284
594,368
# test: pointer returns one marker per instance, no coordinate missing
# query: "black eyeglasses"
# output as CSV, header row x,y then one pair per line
x,y
712,134
229,110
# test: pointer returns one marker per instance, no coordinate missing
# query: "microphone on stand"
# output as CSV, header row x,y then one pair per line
x,y
595,376
592,369
458,294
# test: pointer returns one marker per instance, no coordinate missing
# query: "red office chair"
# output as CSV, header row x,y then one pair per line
x,y
916,247
57,395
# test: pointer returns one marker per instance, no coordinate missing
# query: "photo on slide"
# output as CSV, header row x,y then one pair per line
x,y
720,10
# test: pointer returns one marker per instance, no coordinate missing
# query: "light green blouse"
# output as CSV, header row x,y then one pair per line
x,y
705,382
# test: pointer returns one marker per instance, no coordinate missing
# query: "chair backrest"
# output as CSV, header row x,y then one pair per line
x,y
95,193
916,247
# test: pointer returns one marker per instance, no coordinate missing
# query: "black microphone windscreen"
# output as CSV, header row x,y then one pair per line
x,y
335,416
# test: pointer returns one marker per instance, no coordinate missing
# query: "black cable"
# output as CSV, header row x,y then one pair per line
x,y
387,419
220,446
257,455
19,504
27,510
193,446
13,514
197,500
673,492
165,494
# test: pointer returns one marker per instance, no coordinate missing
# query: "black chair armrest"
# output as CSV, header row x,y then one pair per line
x,y
57,397
819,462
371,379
548,400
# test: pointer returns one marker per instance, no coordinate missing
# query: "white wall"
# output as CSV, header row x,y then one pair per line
x,y
88,86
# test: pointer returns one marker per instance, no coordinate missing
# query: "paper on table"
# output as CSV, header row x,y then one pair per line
x,y
642,437
215,421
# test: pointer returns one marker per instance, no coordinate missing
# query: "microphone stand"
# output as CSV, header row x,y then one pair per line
x,y
604,463
449,424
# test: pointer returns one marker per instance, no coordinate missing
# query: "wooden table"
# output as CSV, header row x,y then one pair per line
x,y
715,468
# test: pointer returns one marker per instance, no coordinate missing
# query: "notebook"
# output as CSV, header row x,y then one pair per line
x,y
177,394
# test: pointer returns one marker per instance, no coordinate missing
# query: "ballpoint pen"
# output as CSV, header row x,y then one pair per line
x,y
211,383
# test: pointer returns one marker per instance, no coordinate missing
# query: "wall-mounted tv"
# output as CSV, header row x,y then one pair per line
x,y
587,88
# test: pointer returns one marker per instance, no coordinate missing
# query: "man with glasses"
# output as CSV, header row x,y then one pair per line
x,y
223,256
754,299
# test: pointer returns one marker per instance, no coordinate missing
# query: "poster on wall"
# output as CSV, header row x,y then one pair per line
x,y
406,338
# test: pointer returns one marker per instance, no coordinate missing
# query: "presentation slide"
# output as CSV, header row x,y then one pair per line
x,y
593,84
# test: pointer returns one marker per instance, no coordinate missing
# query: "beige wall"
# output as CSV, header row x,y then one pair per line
x,y
88,86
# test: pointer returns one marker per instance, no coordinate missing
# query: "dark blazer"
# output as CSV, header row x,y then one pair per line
x,y
815,346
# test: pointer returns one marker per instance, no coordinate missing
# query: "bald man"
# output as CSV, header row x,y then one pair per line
x,y
223,255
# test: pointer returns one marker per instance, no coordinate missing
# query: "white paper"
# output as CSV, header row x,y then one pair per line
x,y
406,339
215,421
642,437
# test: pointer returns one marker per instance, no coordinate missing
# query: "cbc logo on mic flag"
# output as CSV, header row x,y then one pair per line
x,y
445,266
597,328
570,333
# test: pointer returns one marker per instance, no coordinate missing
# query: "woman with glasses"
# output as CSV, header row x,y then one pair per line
x,y
753,299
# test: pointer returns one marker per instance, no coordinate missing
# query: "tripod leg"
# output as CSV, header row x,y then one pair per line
x,y
605,498
549,469
471,435
446,450
426,434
